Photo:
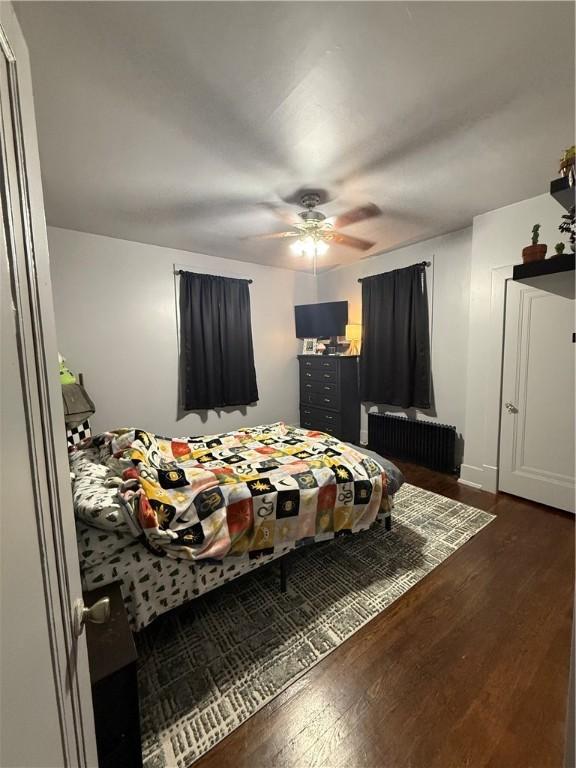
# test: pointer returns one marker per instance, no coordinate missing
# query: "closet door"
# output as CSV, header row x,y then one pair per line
x,y
537,417
45,699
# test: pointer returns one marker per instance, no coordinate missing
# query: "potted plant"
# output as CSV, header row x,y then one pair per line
x,y
567,163
568,227
536,251
559,248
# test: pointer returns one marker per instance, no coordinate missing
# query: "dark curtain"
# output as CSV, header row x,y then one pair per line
x,y
395,358
216,352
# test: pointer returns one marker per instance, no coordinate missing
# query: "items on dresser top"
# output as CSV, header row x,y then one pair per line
x,y
112,660
354,337
78,407
310,347
321,320
329,395
75,435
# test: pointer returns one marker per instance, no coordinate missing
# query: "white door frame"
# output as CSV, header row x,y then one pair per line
x,y
32,298
486,475
493,412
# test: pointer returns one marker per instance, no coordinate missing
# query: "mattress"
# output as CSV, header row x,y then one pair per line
x,y
152,585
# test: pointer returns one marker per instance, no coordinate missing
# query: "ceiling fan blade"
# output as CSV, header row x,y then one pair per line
x,y
272,236
280,213
355,215
352,242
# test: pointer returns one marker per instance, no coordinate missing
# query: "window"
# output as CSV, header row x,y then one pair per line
x,y
216,352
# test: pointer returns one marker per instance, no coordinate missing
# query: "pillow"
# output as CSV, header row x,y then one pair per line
x,y
95,502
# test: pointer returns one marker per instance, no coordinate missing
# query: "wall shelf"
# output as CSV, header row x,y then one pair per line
x,y
564,263
562,192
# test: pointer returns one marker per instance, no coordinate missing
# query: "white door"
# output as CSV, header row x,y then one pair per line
x,y
45,700
537,418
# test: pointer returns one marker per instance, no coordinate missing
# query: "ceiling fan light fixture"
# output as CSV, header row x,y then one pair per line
x,y
315,233
309,246
297,247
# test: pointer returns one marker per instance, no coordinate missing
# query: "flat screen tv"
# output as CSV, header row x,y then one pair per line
x,y
321,321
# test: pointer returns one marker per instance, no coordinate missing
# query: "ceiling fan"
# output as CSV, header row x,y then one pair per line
x,y
315,231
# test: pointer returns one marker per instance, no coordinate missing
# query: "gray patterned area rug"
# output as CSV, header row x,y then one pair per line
x,y
209,666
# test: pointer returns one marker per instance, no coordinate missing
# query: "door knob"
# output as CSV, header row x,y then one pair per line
x,y
99,613
511,408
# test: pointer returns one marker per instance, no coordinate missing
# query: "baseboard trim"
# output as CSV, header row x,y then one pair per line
x,y
469,483
490,483
471,475
484,478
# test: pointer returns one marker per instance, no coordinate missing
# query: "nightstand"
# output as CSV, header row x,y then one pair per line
x,y
112,659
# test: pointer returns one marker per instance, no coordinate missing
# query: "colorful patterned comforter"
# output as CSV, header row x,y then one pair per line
x,y
252,491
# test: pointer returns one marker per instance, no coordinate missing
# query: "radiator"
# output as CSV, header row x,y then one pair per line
x,y
422,442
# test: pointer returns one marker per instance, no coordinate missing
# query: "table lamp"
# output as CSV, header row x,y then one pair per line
x,y
354,336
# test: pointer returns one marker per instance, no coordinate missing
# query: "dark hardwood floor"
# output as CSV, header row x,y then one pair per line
x,y
469,668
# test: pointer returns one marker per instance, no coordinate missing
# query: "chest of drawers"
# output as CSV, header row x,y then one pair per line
x,y
329,396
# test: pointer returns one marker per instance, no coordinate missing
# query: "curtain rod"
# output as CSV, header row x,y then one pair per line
x,y
210,274
418,264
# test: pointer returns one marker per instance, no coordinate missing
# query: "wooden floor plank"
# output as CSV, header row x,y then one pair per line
x,y
468,668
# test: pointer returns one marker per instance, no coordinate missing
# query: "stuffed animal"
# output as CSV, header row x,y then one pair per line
x,y
66,375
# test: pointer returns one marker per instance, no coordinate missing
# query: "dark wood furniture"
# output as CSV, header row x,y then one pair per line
x,y
112,659
330,395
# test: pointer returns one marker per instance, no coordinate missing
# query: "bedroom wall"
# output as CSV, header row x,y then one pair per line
x,y
115,306
102,287
497,242
448,295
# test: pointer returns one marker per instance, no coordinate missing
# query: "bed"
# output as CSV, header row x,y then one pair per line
x,y
171,519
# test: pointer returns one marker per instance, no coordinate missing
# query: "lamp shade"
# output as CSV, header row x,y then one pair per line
x,y
353,332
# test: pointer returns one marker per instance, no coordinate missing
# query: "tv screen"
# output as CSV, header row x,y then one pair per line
x,y
320,321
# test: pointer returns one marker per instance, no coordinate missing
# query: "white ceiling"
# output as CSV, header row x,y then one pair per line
x,y
171,123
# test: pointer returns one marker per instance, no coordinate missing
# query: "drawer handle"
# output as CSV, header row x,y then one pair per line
x,y
308,374
308,363
327,400
98,613
326,365
326,389
307,413
308,386
327,375
329,418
